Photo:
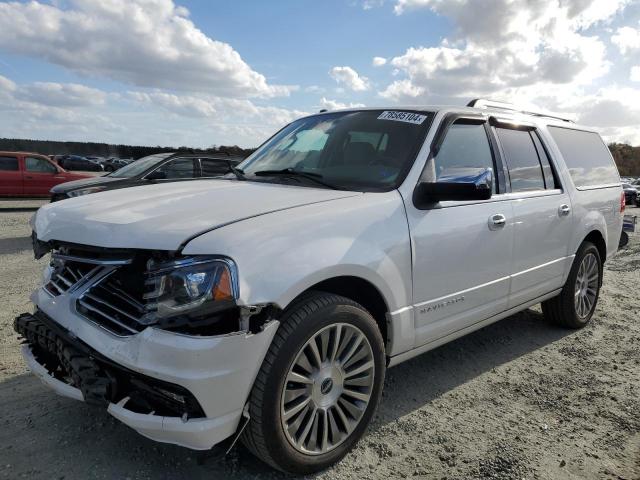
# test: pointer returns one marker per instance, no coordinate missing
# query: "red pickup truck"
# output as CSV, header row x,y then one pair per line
x,y
25,174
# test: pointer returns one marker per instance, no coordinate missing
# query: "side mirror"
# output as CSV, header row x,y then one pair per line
x,y
461,184
157,175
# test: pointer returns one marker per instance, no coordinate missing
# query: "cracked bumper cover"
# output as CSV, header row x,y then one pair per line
x,y
218,371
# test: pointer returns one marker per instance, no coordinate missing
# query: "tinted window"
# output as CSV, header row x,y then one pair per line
x,y
586,156
522,160
39,165
178,168
213,168
376,139
8,163
549,177
465,147
139,166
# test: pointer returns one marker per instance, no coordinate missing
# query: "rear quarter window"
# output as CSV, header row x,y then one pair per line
x,y
586,156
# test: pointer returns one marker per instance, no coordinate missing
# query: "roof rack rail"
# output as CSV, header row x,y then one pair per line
x,y
497,105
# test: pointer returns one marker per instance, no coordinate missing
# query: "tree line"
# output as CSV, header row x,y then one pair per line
x,y
49,147
626,157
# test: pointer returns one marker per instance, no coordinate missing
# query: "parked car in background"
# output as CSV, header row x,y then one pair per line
x,y
76,162
630,194
24,174
112,164
158,168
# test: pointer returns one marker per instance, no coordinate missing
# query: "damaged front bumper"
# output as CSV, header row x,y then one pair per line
x,y
172,388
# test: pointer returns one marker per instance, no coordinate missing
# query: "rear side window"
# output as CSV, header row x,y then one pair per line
x,y
525,170
213,168
178,168
586,156
8,164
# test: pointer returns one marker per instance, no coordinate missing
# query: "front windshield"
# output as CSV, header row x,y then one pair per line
x,y
368,150
139,166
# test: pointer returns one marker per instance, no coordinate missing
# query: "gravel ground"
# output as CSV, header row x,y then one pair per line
x,y
519,399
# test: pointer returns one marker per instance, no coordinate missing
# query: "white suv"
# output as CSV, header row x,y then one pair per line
x,y
268,304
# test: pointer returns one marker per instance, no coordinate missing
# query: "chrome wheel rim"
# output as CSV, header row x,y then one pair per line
x,y
586,285
327,389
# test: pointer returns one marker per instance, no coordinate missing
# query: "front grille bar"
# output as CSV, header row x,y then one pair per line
x,y
93,261
107,316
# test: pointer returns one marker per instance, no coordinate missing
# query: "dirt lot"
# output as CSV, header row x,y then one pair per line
x,y
519,399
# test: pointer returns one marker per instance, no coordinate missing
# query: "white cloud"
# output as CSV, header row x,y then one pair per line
x,y
550,53
6,84
148,43
401,90
379,61
348,77
186,105
31,109
217,109
79,113
627,39
634,75
61,94
520,43
369,4
328,104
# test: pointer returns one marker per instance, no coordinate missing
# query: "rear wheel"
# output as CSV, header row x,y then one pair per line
x,y
319,385
575,305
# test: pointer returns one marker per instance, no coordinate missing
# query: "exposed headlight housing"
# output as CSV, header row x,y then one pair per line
x,y
85,191
191,287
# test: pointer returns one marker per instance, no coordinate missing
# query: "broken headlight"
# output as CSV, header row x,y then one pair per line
x,y
191,287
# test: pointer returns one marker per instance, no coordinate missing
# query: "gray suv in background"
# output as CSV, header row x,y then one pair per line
x,y
157,168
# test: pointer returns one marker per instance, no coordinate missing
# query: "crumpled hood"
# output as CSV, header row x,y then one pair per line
x,y
162,217
83,182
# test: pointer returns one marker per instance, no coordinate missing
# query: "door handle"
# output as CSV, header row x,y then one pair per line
x,y
564,209
497,221
29,177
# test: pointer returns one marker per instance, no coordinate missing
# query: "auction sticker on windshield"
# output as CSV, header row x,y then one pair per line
x,y
402,117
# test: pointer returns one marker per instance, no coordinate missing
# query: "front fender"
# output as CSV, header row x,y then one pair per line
x,y
282,254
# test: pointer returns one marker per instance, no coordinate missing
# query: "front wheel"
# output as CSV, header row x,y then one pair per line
x,y
319,385
575,305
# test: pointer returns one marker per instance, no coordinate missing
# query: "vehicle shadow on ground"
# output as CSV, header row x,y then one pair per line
x,y
13,245
41,433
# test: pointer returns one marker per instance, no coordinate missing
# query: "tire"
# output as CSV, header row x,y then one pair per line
x,y
271,432
565,310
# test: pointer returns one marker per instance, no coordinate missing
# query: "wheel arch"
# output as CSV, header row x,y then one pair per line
x,y
596,237
361,291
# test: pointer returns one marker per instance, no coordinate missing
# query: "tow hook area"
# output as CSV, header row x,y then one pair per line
x,y
65,362
71,363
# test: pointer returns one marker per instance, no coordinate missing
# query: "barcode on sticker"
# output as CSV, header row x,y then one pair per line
x,y
402,117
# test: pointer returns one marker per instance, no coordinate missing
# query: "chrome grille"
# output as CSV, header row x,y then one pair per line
x,y
66,275
109,305
104,285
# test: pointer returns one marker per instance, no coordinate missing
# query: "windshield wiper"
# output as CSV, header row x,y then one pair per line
x,y
290,172
237,172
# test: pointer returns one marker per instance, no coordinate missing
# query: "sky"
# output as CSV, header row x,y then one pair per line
x,y
210,72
